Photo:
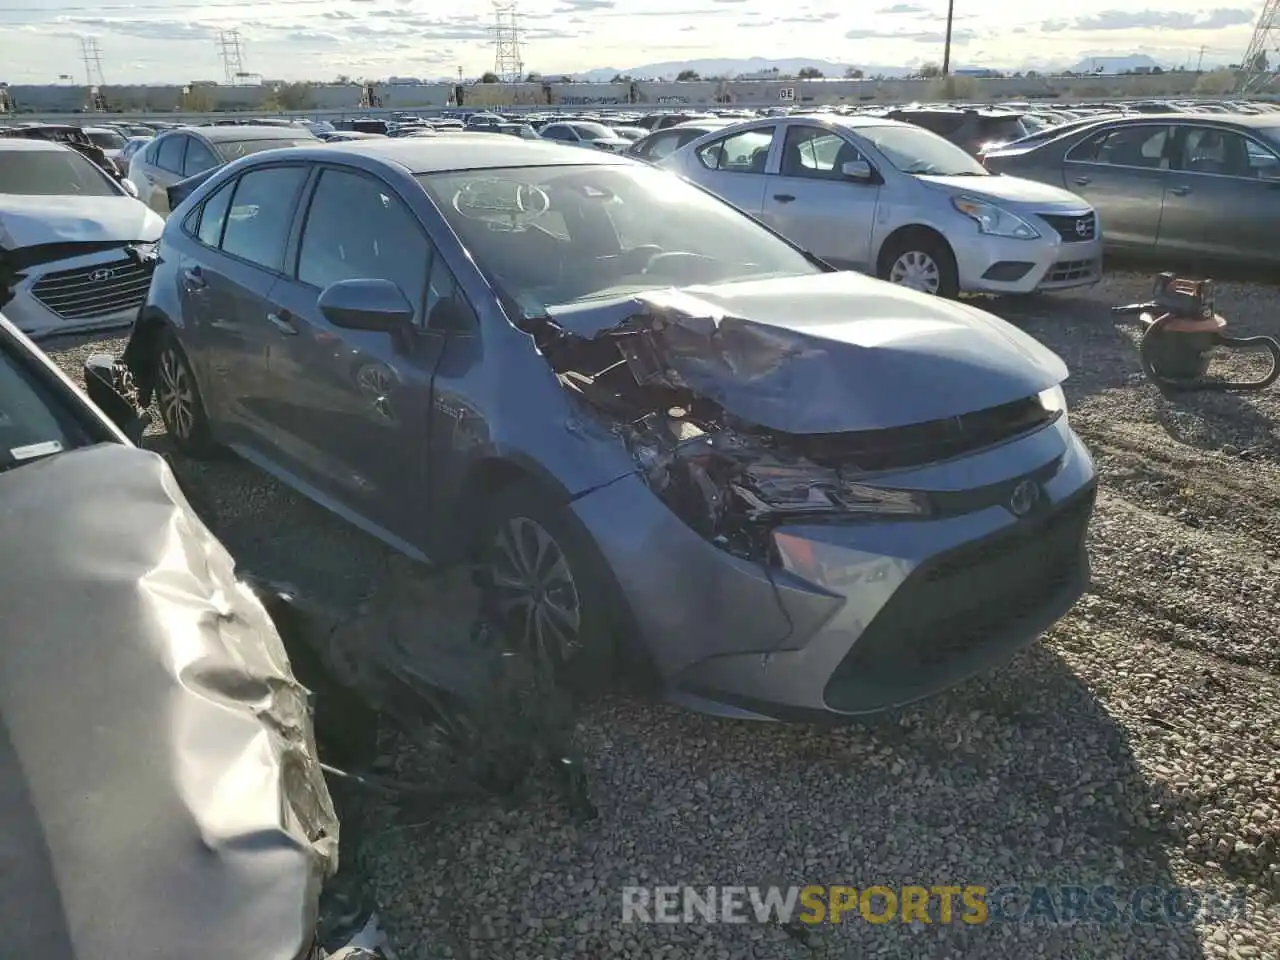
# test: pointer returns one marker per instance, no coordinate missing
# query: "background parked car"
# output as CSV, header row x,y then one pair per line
x,y
185,152
75,244
112,143
662,143
584,133
896,201
973,130
1170,185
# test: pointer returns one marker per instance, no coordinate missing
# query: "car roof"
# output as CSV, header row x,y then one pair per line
x,y
31,144
248,132
471,151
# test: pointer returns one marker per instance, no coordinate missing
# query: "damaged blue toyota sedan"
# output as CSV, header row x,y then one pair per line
x,y
672,441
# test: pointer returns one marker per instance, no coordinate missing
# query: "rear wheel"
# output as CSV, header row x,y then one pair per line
x,y
920,260
181,406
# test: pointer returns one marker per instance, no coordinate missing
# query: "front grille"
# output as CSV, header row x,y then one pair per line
x,y
96,291
1072,229
1065,271
951,607
922,443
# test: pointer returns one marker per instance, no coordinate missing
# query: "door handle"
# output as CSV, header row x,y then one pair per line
x,y
1179,191
783,197
282,323
194,278
1083,181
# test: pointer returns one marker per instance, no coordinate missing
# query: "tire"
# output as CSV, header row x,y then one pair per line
x,y
564,616
178,398
924,256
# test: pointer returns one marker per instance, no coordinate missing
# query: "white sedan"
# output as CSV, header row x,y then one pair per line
x,y
584,133
896,201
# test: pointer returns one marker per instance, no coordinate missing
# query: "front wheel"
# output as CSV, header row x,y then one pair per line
x,y
547,587
922,261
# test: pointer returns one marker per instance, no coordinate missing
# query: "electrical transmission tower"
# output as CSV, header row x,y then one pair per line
x,y
91,56
1256,69
506,43
231,49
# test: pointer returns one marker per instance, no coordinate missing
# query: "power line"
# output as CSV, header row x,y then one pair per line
x,y
91,56
231,49
506,43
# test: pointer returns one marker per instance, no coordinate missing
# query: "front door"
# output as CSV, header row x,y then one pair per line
x,y
359,402
811,204
1122,172
1222,198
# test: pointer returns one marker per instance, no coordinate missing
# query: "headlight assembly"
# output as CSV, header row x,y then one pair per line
x,y
782,488
1054,401
994,221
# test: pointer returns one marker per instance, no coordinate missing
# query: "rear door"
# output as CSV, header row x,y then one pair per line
x,y
1122,171
1222,197
237,330
358,406
733,167
808,200
168,155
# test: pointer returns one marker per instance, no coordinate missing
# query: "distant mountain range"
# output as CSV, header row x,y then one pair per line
x,y
751,66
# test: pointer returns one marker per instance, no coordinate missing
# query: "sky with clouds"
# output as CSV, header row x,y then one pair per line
x,y
153,41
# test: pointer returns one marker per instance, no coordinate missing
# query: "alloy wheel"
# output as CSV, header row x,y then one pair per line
x,y
917,270
176,395
535,591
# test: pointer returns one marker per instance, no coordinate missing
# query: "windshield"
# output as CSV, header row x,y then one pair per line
x,y
593,131
550,236
235,149
107,139
32,423
916,150
52,173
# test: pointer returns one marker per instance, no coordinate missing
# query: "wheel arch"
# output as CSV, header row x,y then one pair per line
x,y
905,233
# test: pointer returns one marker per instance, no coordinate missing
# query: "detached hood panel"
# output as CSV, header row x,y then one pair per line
x,y
159,786
31,221
830,353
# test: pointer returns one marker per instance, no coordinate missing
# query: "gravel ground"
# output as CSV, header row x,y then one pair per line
x,y
1138,745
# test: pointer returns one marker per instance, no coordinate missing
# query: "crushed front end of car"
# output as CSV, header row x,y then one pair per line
x,y
830,514
159,777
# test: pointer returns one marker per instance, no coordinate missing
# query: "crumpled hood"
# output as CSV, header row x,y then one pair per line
x,y
1007,190
159,786
31,221
829,353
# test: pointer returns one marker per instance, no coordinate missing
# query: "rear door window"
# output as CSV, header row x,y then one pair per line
x,y
170,155
745,152
199,159
261,214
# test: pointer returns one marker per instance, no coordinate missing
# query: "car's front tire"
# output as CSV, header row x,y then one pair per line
x,y
181,407
920,260
549,587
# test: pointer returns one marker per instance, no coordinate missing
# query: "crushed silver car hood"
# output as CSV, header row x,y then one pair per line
x,y
159,784
829,353
31,221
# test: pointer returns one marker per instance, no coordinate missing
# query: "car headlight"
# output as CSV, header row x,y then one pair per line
x,y
1054,401
994,221
785,488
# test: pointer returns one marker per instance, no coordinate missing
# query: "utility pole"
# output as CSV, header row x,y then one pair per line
x,y
1200,59
946,49
231,50
92,58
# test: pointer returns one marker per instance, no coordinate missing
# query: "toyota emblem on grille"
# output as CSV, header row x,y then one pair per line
x,y
101,276
1082,227
1024,498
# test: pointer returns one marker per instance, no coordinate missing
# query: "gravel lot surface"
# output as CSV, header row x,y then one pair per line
x,y
1138,745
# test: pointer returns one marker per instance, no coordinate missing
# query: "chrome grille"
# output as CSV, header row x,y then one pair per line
x,y
96,291
1072,229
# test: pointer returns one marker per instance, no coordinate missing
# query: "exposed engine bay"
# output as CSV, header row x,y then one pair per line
x,y
729,479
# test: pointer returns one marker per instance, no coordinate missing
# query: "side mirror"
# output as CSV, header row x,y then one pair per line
x,y
857,170
102,381
129,188
366,305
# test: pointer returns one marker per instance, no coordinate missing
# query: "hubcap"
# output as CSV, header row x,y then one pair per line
x,y
535,591
176,395
917,270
